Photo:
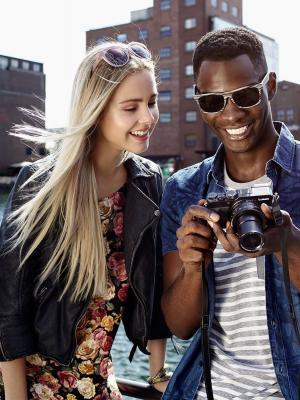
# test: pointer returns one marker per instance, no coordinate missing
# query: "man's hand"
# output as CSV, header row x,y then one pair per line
x,y
195,238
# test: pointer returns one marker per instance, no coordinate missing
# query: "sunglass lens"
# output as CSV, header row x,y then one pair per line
x,y
140,51
211,103
116,56
248,97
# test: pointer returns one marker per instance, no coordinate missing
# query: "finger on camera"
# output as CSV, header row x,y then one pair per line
x,y
195,212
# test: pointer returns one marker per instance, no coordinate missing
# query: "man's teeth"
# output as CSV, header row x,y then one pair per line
x,y
237,131
139,133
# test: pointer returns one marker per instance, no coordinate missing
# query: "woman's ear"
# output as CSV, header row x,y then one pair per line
x,y
272,85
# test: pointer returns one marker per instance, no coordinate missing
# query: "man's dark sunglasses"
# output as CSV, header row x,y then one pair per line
x,y
244,97
118,55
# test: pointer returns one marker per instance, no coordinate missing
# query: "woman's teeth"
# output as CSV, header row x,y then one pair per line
x,y
139,133
237,131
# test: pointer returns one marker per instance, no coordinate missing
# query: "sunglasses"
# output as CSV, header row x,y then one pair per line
x,y
244,97
118,55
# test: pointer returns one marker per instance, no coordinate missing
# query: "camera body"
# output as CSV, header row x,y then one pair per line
x,y
242,208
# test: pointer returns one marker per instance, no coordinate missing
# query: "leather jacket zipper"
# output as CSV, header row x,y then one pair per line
x,y
83,311
129,278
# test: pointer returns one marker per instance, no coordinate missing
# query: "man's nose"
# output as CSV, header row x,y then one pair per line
x,y
231,110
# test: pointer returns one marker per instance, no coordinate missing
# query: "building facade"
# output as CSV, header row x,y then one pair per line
x,y
171,29
22,85
285,106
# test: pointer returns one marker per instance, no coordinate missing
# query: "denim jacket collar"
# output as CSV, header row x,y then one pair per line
x,y
283,155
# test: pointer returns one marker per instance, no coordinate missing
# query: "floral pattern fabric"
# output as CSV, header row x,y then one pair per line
x,y
91,374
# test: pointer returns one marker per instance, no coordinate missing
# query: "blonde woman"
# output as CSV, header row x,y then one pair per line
x,y
79,243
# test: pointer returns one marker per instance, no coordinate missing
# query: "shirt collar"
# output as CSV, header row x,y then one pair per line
x,y
285,148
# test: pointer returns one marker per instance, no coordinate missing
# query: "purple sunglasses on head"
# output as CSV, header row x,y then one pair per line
x,y
118,55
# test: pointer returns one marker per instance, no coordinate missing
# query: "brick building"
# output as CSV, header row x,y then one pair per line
x,y
285,106
22,84
171,29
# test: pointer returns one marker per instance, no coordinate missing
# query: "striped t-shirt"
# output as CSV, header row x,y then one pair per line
x,y
241,360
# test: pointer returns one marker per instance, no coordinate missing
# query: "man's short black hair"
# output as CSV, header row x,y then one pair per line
x,y
229,43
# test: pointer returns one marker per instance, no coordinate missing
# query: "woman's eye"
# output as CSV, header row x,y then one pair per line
x,y
130,109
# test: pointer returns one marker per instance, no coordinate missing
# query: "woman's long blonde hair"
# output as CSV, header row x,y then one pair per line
x,y
68,196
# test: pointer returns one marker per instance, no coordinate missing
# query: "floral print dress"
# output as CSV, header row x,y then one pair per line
x,y
91,375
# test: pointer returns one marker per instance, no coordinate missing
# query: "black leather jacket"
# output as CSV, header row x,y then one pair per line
x,y
40,323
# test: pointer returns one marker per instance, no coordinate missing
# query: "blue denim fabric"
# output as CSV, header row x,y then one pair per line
x,y
187,187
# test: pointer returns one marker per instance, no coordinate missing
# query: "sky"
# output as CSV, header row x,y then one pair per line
x,y
53,32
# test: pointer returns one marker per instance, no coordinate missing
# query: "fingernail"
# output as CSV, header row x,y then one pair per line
x,y
214,217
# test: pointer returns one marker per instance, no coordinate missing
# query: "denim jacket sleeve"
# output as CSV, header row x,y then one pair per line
x,y
170,220
16,333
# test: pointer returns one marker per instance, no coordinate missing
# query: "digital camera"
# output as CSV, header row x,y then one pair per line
x,y
242,208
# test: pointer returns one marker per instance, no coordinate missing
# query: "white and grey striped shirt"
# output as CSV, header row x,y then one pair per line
x,y
241,360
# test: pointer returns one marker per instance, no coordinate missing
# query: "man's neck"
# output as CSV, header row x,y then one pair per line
x,y
251,165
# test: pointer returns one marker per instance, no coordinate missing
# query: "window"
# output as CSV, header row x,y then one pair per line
x,y
14,63
190,140
190,46
290,115
36,67
165,31
214,3
122,37
190,116
188,70
234,11
164,95
280,115
165,117
165,52
143,34
165,74
190,23
224,6
189,92
189,2
25,65
3,63
165,4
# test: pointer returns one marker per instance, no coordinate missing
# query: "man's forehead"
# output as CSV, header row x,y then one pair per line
x,y
225,75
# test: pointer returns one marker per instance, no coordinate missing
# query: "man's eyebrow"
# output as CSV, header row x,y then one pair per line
x,y
155,95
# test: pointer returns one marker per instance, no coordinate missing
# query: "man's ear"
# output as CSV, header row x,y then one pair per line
x,y
272,85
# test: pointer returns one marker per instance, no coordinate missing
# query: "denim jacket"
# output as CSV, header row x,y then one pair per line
x,y
185,188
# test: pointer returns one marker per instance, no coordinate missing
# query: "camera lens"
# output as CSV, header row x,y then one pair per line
x,y
250,232
247,220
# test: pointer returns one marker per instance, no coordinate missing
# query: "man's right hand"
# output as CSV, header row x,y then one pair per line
x,y
182,298
195,238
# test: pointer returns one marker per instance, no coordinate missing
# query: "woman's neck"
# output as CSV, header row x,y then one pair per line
x,y
110,173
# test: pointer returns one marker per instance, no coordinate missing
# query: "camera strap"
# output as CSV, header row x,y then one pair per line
x,y
205,348
205,337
